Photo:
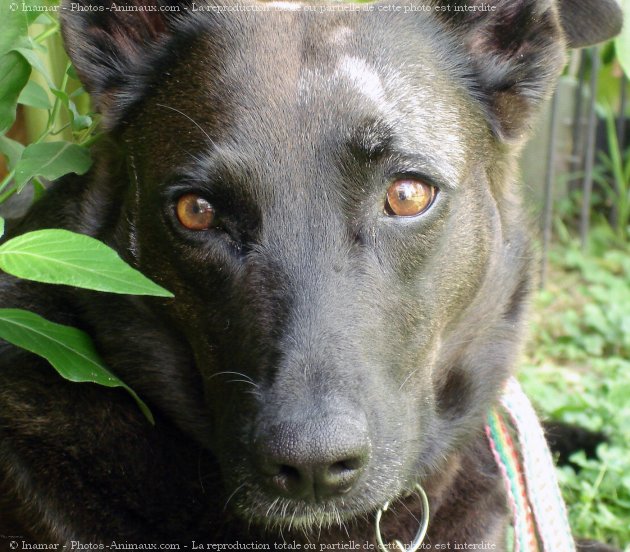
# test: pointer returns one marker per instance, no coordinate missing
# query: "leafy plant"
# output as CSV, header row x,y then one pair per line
x,y
53,256
619,170
622,42
578,370
62,257
69,350
49,155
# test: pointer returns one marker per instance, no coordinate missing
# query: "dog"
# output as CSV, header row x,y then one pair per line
x,y
330,191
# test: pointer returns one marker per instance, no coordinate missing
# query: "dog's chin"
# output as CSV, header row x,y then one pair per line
x,y
273,515
288,516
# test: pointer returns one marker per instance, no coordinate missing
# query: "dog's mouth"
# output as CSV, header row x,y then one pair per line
x,y
310,519
311,508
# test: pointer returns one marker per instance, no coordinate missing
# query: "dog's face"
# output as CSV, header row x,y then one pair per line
x,y
330,197
279,234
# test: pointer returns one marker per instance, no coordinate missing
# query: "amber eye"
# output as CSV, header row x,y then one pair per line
x,y
194,212
409,198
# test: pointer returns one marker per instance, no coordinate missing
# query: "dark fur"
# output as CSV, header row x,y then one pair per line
x,y
359,331
565,439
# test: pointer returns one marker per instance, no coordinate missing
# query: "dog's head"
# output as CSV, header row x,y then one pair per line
x,y
330,193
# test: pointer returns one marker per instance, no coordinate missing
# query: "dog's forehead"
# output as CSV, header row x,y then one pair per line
x,y
352,72
291,79
387,65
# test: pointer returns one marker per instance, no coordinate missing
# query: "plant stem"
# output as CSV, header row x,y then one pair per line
x,y
6,180
586,508
91,140
45,34
6,195
55,132
57,105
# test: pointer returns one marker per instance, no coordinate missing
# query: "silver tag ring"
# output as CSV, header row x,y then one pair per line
x,y
422,530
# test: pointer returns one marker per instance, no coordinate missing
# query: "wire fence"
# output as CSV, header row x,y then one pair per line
x,y
579,164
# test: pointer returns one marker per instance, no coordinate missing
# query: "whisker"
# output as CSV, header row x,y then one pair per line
x,y
272,506
255,385
246,378
407,379
191,120
199,476
291,521
228,372
412,514
232,495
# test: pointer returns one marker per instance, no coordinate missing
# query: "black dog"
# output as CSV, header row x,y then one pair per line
x,y
331,196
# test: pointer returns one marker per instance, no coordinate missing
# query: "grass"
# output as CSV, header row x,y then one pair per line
x,y
577,370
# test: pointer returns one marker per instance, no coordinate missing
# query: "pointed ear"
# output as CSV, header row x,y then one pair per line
x,y
112,50
515,50
587,22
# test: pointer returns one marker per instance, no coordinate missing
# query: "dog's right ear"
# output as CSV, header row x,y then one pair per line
x,y
111,46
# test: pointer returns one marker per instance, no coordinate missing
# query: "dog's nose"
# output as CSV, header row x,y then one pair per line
x,y
313,460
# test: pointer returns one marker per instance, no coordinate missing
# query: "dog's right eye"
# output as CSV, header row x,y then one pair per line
x,y
195,213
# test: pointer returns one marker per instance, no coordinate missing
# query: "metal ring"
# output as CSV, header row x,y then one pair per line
x,y
422,530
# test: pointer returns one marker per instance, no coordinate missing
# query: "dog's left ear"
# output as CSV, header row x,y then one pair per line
x,y
587,22
515,49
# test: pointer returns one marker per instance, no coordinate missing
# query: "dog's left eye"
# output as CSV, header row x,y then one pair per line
x,y
409,198
195,213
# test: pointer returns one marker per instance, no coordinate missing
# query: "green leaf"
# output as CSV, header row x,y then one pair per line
x,y
72,72
81,122
61,95
1,227
14,74
51,160
78,121
78,92
14,25
69,350
35,96
12,150
36,63
622,42
44,19
63,257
